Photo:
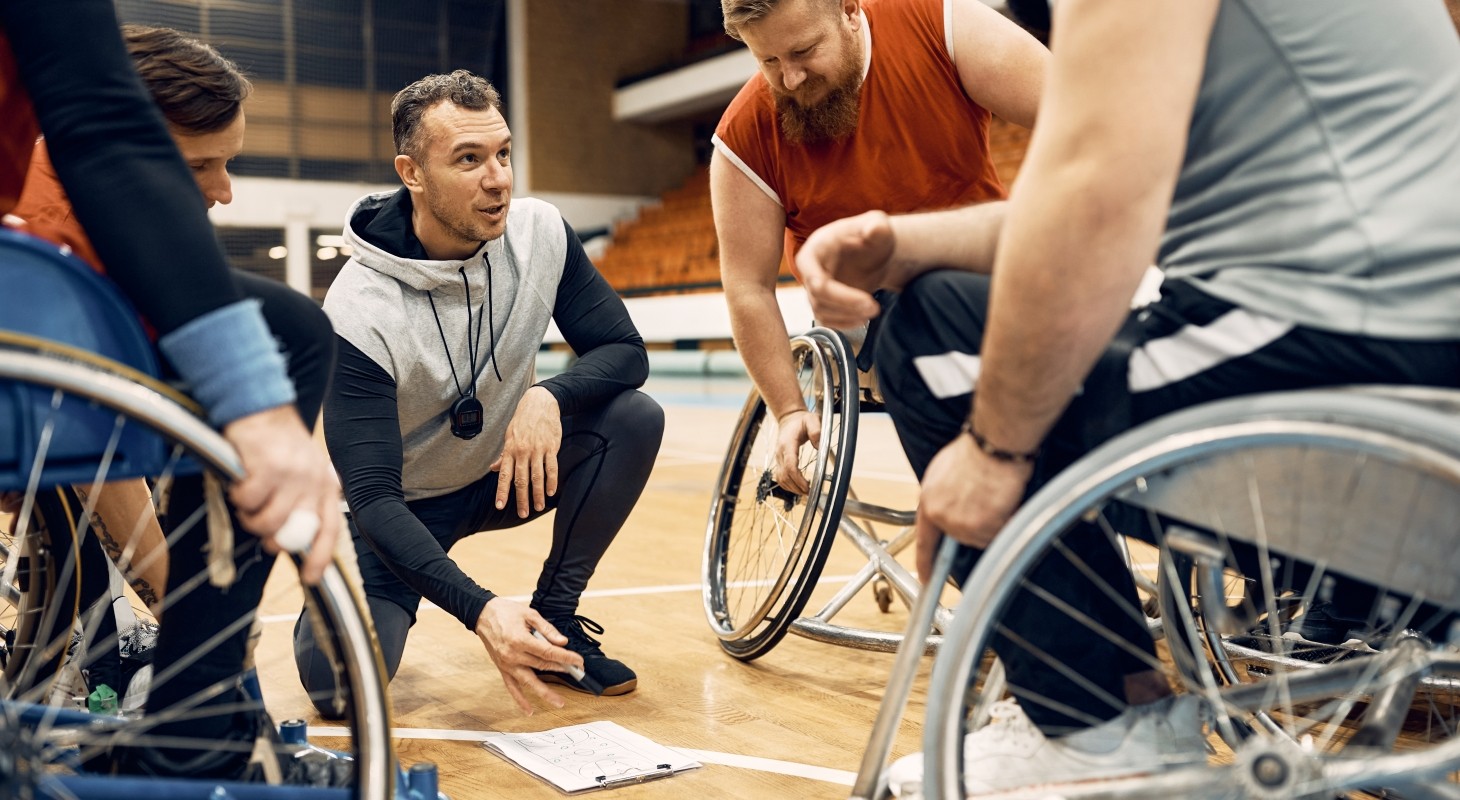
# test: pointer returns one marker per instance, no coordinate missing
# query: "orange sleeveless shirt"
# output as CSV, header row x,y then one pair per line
x,y
29,188
47,211
18,129
920,143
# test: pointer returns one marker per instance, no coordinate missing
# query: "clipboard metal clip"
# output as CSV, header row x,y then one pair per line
x,y
661,771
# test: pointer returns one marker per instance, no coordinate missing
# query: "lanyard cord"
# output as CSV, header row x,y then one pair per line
x,y
471,347
491,327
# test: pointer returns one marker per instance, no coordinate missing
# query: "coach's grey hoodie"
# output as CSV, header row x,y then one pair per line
x,y
381,303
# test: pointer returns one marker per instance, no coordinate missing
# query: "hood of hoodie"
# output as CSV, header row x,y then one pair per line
x,y
381,237
427,323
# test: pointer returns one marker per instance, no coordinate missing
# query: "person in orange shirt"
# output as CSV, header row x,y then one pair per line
x,y
200,94
64,72
859,104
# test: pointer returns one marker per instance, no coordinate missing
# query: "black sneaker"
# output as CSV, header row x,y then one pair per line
x,y
1324,625
612,676
1318,635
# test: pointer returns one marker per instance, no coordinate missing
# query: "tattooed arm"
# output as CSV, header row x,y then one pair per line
x,y
125,524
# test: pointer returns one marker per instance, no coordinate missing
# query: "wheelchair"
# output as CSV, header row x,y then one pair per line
x,y
1255,511
81,404
765,547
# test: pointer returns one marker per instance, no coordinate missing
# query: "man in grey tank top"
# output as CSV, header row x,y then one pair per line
x,y
1293,167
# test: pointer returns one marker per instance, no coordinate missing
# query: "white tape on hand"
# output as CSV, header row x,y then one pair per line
x,y
298,531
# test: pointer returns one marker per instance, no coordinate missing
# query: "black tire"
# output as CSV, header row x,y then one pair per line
x,y
765,546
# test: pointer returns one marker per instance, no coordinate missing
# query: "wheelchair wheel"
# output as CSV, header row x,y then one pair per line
x,y
37,609
11,581
1259,508
99,632
65,420
765,546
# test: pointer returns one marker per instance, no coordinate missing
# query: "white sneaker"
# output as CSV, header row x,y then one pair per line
x,y
1011,752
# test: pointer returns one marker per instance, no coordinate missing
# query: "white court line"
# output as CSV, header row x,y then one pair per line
x,y
777,766
627,592
792,768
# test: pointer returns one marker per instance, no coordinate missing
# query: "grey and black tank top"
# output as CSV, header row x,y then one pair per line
x,y
1321,183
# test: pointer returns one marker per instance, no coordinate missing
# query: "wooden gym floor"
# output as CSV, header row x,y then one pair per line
x,y
792,724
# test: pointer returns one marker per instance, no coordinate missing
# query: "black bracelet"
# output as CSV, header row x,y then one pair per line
x,y
994,452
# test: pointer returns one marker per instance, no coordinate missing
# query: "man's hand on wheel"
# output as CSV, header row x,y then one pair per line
x,y
967,495
285,472
794,430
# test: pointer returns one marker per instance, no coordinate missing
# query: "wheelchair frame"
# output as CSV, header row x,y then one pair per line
x,y
833,392
336,596
80,403
1193,465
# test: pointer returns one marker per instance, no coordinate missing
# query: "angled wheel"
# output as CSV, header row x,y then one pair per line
x,y
765,546
1256,507
65,420
39,605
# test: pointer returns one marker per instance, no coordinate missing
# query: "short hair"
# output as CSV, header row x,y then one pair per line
x,y
460,88
739,13
196,88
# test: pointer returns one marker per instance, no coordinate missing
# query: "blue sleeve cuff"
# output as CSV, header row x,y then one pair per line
x,y
230,362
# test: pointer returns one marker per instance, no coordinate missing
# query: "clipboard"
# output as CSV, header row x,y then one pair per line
x,y
588,757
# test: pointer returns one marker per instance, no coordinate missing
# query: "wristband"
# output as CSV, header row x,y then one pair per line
x,y
988,448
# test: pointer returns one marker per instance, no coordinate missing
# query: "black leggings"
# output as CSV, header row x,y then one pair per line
x,y
604,462
307,341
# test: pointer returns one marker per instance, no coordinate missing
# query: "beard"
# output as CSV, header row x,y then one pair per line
x,y
460,221
832,117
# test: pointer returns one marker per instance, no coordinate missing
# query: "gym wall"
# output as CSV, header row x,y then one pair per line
x,y
575,52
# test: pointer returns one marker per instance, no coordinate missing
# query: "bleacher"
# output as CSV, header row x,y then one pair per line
x,y
669,247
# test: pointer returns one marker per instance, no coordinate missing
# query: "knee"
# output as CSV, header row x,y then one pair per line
x,y
938,297
894,349
316,674
937,312
638,412
313,326
650,413
392,623
309,338
308,341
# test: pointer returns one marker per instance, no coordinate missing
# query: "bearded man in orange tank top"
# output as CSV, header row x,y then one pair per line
x,y
859,105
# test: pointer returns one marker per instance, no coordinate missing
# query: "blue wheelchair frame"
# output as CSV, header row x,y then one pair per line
x,y
56,305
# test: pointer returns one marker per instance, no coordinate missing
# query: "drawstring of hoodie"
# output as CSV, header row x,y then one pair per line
x,y
471,343
491,327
